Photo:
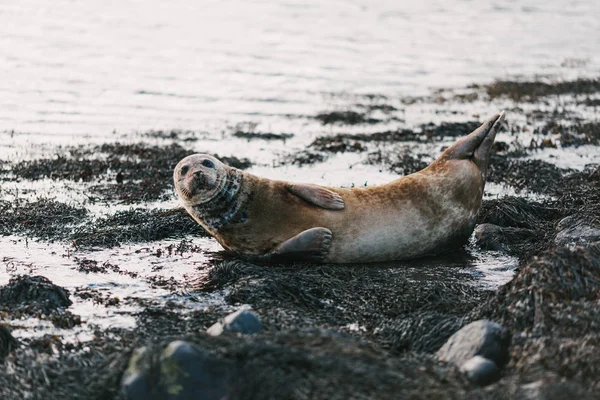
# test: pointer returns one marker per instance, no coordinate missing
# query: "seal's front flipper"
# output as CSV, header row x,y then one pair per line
x,y
311,245
317,195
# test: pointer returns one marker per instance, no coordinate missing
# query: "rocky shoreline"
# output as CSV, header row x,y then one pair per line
x,y
328,331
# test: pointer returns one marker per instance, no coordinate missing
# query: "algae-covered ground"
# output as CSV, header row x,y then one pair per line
x,y
114,264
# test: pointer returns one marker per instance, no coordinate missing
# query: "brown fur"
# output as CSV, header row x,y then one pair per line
x,y
408,211
425,213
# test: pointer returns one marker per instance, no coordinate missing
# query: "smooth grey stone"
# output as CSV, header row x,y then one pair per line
x,y
479,338
481,370
182,372
489,237
499,238
575,231
135,384
242,321
7,342
187,372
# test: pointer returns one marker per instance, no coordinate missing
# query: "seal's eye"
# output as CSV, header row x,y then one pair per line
x,y
208,164
185,169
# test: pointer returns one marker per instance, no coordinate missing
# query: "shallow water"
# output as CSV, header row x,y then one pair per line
x,y
91,67
87,73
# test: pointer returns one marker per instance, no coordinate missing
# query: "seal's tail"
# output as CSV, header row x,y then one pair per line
x,y
476,146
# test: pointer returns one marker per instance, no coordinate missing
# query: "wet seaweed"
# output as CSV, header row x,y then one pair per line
x,y
400,161
345,118
44,218
336,145
365,300
134,226
534,175
126,173
553,301
173,134
384,108
534,90
574,135
449,129
263,135
38,297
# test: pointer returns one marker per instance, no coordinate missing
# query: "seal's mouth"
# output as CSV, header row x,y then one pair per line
x,y
194,184
185,193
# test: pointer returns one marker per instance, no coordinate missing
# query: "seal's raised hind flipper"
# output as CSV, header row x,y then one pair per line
x,y
317,195
476,146
311,245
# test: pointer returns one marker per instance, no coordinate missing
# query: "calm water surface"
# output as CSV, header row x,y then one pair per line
x,y
95,66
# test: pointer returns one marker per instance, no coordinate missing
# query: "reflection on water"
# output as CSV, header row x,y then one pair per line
x,y
137,279
91,67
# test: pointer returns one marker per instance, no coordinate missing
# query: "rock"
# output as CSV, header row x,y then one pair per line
x,y
572,230
190,373
7,341
34,291
489,237
481,370
182,372
479,338
135,383
498,238
242,321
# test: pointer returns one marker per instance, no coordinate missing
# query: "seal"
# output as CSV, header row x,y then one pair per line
x,y
425,213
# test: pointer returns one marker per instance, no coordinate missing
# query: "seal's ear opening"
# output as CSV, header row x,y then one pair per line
x,y
476,146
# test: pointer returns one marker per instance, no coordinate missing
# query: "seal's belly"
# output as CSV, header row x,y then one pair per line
x,y
398,236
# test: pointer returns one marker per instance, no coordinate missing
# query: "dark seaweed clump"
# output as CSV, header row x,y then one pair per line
x,y
262,135
533,90
574,135
36,296
345,118
7,342
402,161
449,129
50,219
575,194
33,290
534,175
127,173
44,218
381,299
553,301
136,225
322,147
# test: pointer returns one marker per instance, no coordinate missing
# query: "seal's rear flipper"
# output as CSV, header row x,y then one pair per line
x,y
476,146
311,245
317,195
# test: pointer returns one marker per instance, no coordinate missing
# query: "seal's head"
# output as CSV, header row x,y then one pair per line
x,y
199,178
